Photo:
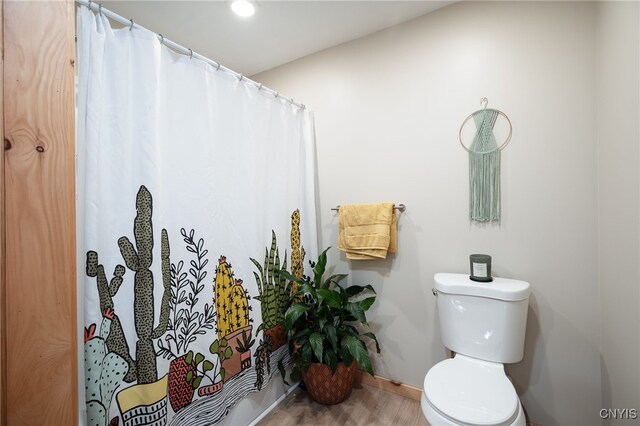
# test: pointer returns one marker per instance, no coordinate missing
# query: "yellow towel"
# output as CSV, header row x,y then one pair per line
x,y
367,231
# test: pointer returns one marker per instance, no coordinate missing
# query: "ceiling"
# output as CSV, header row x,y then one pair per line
x,y
279,32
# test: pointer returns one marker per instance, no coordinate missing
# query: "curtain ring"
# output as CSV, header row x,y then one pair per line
x,y
218,67
260,86
291,101
241,77
161,38
100,9
190,54
277,94
303,107
131,27
90,1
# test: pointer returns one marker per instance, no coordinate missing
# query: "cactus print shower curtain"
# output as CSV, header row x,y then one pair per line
x,y
194,189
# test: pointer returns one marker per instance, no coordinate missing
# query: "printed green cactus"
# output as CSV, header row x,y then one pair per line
x,y
231,300
103,371
139,261
116,342
273,289
297,251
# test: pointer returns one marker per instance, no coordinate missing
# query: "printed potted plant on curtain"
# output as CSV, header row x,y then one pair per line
x,y
138,258
274,294
186,323
232,311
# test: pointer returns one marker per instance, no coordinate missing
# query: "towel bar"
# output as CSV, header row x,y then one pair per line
x,y
400,207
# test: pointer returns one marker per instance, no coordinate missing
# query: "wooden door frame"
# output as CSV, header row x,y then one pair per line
x,y
3,387
38,341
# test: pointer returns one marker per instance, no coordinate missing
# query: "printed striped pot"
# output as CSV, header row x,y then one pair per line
x,y
144,404
208,390
180,391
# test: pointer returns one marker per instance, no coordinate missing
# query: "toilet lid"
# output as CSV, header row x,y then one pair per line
x,y
471,391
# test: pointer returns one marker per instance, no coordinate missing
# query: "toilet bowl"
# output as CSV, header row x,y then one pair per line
x,y
484,324
467,391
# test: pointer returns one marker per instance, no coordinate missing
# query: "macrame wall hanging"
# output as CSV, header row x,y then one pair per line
x,y
484,164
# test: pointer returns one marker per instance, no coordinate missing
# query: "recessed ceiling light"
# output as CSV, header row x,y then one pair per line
x,y
244,8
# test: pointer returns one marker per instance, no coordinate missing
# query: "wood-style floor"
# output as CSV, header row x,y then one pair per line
x,y
365,406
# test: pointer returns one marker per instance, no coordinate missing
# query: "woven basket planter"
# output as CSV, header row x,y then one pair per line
x,y
327,388
180,391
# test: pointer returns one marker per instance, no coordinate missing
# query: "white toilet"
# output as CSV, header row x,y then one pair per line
x,y
484,324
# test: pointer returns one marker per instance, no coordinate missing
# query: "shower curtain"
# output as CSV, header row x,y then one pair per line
x,y
194,189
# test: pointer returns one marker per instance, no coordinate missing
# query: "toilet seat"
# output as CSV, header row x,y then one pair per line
x,y
473,392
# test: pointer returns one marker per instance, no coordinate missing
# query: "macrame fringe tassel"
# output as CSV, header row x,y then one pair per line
x,y
484,170
484,186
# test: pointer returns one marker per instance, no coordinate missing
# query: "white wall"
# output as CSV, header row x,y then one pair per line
x,y
388,108
618,30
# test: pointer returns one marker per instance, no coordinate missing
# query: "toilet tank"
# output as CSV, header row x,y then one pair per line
x,y
483,320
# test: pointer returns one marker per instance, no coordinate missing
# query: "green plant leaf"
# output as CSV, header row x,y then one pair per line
x,y
332,298
196,382
319,269
351,329
283,373
321,323
290,277
207,366
189,359
306,288
365,364
199,358
215,346
222,373
331,359
189,376
365,304
358,351
305,353
357,289
355,310
331,333
334,279
228,353
293,313
345,356
316,340
375,339
223,342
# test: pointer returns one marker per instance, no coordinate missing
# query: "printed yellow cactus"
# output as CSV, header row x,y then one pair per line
x,y
239,309
231,300
297,252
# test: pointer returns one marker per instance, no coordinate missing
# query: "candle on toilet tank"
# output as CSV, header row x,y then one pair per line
x,y
480,265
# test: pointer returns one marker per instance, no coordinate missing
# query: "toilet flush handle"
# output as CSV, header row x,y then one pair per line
x,y
434,291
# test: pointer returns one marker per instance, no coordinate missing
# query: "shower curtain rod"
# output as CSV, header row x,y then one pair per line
x,y
97,7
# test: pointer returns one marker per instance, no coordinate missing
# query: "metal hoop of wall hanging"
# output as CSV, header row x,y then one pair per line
x,y
484,102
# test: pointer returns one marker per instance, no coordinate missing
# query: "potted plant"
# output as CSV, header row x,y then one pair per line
x,y
325,342
185,322
244,349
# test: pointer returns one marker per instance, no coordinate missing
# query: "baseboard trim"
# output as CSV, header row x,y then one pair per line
x,y
388,385
275,403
